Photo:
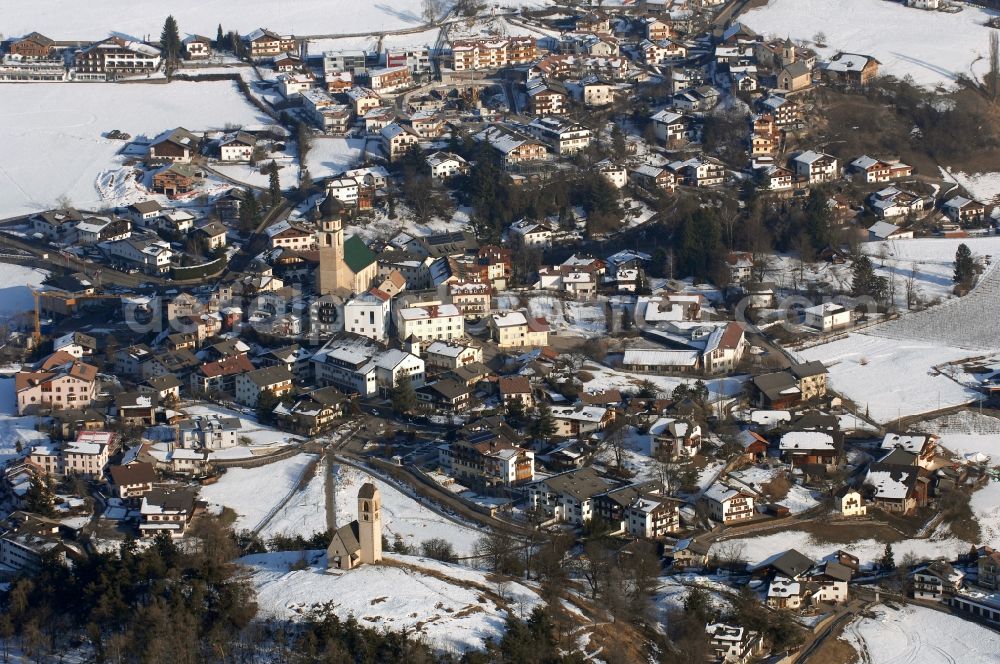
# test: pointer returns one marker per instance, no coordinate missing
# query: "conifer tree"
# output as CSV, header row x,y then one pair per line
x,y
403,397
274,185
543,426
965,266
170,41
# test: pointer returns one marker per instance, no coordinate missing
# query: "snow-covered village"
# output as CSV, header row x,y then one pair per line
x,y
525,331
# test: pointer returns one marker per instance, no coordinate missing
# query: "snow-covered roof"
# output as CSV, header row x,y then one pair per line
x,y
914,444
663,358
423,313
864,162
580,413
888,483
509,319
721,493
806,440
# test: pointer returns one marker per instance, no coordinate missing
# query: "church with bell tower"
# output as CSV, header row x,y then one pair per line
x,y
360,541
345,267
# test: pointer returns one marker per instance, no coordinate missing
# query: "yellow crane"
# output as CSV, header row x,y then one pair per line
x,y
71,300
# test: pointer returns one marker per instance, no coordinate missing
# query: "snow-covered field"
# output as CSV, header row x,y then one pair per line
x,y
64,19
305,513
52,140
966,322
370,42
402,514
253,492
16,282
757,549
452,615
262,438
288,173
331,156
915,635
719,389
14,429
985,187
799,498
584,319
891,378
932,47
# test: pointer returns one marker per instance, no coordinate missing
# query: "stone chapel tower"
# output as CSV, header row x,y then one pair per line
x,y
370,523
330,242
788,54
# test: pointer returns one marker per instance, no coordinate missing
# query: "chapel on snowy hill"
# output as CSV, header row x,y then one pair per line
x,y
360,541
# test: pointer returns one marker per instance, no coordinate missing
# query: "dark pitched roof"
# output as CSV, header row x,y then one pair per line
x,y
581,484
172,498
134,473
807,369
899,457
791,563
350,535
357,255
367,491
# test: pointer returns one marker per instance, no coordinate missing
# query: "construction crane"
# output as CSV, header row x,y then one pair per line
x,y
71,299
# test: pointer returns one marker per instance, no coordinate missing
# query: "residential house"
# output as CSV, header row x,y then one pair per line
x,y
177,145
727,505
277,380
936,581
176,179
115,57
166,509
546,99
639,510
390,79
516,389
32,46
472,298
445,164
964,211
815,167
208,432
852,503
674,439
580,420
513,148
430,322
450,355
237,147
897,488
363,367
733,644
688,553
132,481
851,69
492,53
447,395
875,170
882,231
568,496
923,447
653,178
799,448
59,381
672,128
514,329
827,316
397,140
197,47
264,44
312,413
